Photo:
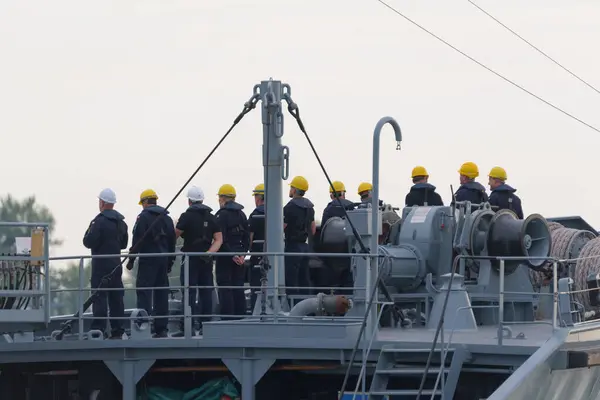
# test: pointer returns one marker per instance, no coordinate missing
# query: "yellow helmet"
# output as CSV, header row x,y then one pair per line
x,y
419,171
338,186
469,169
147,194
227,190
259,189
363,187
498,173
299,182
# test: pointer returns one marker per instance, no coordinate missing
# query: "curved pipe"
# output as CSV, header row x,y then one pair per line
x,y
372,275
322,304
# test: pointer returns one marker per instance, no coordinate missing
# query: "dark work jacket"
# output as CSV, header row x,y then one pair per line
x,y
257,228
198,226
421,193
160,239
234,225
334,209
504,198
471,191
107,234
298,215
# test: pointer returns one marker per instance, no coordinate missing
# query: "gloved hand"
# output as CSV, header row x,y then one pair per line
x,y
129,265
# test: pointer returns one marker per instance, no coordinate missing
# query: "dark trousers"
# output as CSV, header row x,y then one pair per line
x,y
233,301
201,274
108,300
153,273
254,279
339,274
296,269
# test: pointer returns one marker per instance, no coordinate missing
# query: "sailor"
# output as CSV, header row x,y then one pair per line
x,y
298,224
107,234
422,193
256,223
153,232
200,233
230,271
338,268
364,191
503,196
470,190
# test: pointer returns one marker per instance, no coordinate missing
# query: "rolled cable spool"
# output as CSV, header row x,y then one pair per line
x,y
588,263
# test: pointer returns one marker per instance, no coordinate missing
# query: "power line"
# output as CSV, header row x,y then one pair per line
x,y
489,69
534,47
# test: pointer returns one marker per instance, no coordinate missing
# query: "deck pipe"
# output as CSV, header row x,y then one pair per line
x,y
321,304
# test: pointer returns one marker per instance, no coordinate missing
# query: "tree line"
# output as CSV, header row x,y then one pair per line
x,y
65,277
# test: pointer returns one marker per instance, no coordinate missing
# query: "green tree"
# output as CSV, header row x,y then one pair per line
x,y
28,210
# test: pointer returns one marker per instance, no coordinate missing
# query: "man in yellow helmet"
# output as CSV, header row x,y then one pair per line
x,y
298,224
470,190
256,222
338,271
230,271
503,196
364,191
422,193
153,236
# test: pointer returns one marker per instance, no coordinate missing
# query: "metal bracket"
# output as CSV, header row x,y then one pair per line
x,y
136,369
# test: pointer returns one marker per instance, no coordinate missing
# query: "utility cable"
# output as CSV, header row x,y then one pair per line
x,y
534,47
398,314
248,106
489,69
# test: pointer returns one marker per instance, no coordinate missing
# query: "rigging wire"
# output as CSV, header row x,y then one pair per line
x,y
248,106
534,47
488,68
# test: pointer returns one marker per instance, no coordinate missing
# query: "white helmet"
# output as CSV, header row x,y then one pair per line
x,y
195,194
108,196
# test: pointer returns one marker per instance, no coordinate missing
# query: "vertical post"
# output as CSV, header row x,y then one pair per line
x,y
187,320
128,382
375,219
555,295
501,304
272,119
81,298
48,301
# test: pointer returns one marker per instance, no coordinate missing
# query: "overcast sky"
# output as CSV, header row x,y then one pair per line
x,y
133,94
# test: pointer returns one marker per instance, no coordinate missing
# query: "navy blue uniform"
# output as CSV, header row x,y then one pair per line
x,y
199,226
234,225
421,193
504,198
471,191
256,224
153,271
107,234
339,272
298,215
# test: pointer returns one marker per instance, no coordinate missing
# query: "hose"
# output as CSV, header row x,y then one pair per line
x,y
588,263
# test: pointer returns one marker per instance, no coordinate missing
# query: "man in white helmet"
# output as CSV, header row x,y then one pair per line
x,y
201,233
107,234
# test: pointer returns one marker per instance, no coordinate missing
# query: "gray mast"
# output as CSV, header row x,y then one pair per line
x,y
276,169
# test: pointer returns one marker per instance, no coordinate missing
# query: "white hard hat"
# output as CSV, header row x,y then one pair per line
x,y
108,196
195,194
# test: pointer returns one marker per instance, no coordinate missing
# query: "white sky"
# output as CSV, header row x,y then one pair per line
x,y
133,94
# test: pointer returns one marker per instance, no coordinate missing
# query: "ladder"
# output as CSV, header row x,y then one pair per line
x,y
409,364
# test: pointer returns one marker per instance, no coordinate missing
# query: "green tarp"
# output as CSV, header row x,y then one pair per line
x,y
211,390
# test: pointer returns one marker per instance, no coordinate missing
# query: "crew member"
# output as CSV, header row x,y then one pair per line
x,y
339,268
422,193
200,233
256,222
107,234
153,232
236,239
503,196
364,191
470,190
298,224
